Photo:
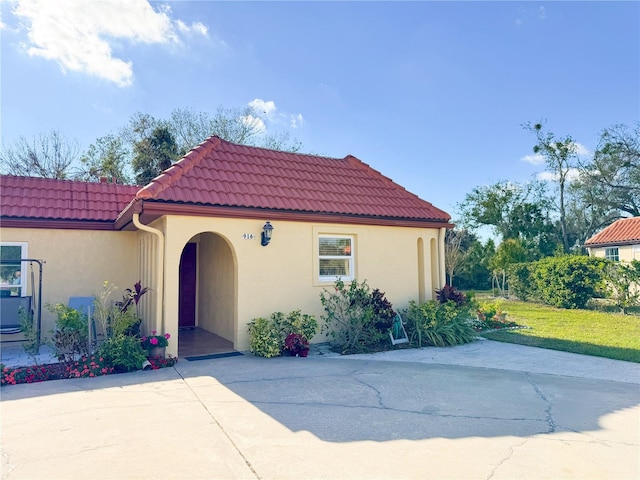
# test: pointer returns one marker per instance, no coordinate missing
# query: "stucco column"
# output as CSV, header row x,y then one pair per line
x,y
441,262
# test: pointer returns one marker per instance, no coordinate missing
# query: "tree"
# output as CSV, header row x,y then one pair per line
x,y
153,154
106,157
47,155
516,211
610,180
475,272
237,125
455,253
188,128
560,156
509,252
587,214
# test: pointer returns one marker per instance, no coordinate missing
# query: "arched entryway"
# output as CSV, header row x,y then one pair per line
x,y
207,296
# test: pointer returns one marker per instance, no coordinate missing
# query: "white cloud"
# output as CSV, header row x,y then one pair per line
x,y
297,121
536,159
254,122
542,13
581,150
262,107
76,34
264,116
572,175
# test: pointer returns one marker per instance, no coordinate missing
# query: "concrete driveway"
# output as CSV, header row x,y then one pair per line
x,y
410,414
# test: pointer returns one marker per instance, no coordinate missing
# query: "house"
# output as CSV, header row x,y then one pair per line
x,y
197,235
618,241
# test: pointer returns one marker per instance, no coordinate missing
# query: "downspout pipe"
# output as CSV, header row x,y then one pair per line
x,y
160,272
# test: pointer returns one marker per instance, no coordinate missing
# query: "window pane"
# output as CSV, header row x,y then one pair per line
x,y
8,271
11,273
335,247
334,268
612,254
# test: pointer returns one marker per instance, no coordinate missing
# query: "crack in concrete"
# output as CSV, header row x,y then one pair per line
x,y
378,393
549,417
222,429
7,466
506,458
400,410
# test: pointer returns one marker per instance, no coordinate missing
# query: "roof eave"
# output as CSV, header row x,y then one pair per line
x,y
612,243
56,223
151,210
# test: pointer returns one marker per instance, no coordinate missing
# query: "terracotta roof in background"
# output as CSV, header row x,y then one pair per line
x,y
621,232
44,198
220,173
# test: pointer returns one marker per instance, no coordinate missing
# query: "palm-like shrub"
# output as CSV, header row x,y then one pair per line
x,y
438,324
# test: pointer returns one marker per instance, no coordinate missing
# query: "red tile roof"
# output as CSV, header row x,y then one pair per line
x,y
219,173
45,198
224,179
621,232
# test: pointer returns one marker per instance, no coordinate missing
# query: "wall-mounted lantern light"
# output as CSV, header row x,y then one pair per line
x,y
266,233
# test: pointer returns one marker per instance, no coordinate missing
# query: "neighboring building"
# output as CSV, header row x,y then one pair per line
x,y
193,235
618,241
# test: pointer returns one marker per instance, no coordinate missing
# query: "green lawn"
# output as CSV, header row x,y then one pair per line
x,y
588,332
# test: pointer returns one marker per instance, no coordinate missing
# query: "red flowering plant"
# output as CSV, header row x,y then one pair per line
x,y
296,343
33,374
156,363
154,340
92,366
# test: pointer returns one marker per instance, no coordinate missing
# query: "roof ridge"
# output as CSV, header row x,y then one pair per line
x,y
178,169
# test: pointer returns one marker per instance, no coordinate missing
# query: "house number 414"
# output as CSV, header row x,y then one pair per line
x,y
248,236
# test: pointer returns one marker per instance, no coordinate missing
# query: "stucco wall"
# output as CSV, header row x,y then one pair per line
x,y
78,262
283,275
216,286
626,252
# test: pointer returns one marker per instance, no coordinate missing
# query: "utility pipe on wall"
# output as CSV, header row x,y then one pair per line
x,y
160,271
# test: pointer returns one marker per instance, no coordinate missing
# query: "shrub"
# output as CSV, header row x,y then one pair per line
x,y
383,311
264,338
31,344
449,293
71,336
295,322
123,353
520,283
351,318
623,284
568,281
438,324
267,336
124,322
295,343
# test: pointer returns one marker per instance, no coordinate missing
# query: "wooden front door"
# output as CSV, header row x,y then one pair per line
x,y
187,286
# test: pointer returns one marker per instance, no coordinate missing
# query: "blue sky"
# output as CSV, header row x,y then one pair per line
x,y
432,94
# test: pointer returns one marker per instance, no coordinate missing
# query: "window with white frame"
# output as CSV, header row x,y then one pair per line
x,y
13,272
335,257
612,254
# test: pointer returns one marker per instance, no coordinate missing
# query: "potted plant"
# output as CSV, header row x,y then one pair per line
x,y
297,345
155,344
